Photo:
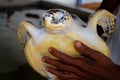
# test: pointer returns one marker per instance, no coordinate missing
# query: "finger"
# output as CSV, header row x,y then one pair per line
x,y
62,56
86,51
79,62
62,75
62,66
58,79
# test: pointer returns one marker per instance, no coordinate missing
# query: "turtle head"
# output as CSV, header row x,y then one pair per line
x,y
56,19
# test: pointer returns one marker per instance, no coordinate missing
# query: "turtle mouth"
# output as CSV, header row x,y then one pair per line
x,y
59,27
55,28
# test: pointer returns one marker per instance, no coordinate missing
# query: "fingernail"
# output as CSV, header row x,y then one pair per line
x,y
50,49
43,59
47,68
78,44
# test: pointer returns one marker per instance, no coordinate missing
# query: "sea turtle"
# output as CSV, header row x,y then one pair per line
x,y
60,30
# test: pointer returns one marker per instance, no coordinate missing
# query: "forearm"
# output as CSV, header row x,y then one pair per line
x,y
109,5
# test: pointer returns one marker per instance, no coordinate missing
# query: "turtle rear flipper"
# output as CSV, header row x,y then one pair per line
x,y
104,19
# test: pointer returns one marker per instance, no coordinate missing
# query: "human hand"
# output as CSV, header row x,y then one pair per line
x,y
94,65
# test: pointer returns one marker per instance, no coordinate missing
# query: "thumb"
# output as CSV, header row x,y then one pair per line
x,y
81,48
85,50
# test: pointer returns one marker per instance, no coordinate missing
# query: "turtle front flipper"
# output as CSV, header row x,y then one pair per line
x,y
27,31
104,19
23,34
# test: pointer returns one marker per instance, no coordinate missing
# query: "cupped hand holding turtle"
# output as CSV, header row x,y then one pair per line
x,y
92,66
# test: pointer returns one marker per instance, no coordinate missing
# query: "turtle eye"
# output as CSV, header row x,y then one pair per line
x,y
48,15
62,18
45,16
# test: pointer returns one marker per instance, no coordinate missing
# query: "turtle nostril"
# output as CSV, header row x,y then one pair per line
x,y
56,21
